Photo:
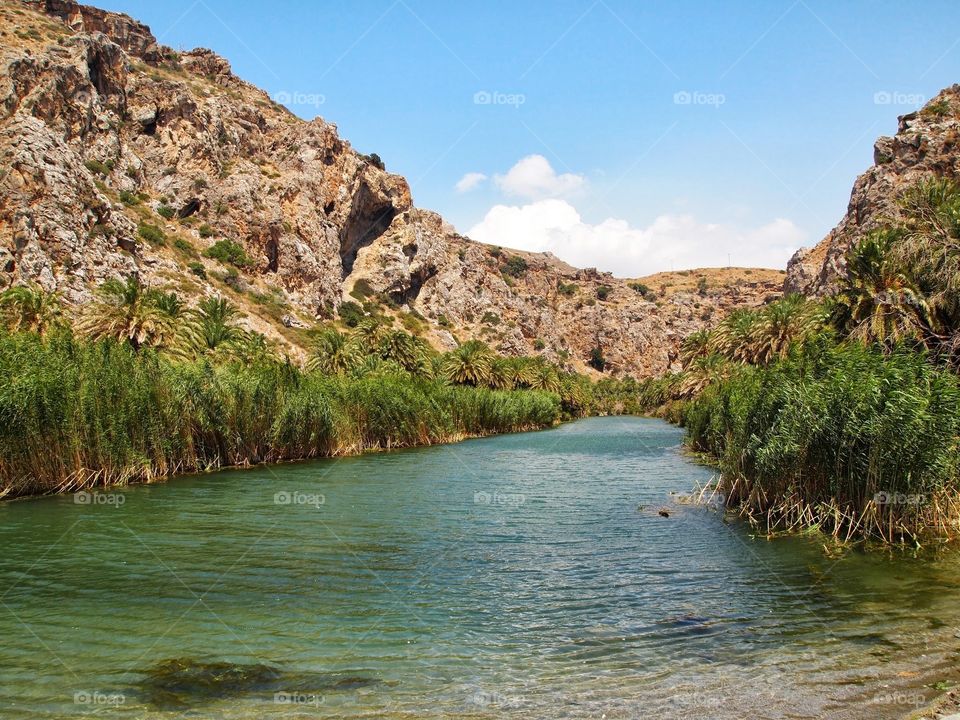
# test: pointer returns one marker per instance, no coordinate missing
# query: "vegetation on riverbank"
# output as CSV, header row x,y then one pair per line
x,y
841,415
146,387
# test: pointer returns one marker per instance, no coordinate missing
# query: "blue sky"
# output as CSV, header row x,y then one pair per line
x,y
634,136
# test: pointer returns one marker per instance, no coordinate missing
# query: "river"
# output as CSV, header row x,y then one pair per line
x,y
527,576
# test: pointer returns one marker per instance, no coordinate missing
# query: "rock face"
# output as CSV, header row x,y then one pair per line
x,y
104,134
927,144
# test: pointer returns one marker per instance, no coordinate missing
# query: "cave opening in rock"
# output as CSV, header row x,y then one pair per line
x,y
190,208
272,249
369,219
412,292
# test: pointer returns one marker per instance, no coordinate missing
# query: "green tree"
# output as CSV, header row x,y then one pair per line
x,y
469,364
31,308
334,353
216,328
405,350
879,302
695,346
782,324
125,310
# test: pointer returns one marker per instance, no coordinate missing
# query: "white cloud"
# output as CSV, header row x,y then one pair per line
x,y
470,181
670,241
534,178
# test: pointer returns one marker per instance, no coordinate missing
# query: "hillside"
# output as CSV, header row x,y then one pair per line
x,y
121,156
927,144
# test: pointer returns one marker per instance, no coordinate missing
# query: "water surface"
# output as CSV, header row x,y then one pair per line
x,y
525,576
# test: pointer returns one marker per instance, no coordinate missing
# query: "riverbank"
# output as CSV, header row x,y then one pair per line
x,y
945,707
76,415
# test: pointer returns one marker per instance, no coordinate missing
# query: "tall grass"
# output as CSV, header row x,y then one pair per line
x,y
75,413
848,439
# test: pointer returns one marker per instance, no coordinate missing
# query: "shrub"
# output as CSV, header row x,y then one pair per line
x,y
184,246
940,108
702,286
412,322
206,231
516,266
566,289
374,160
97,167
128,198
351,313
641,289
228,252
197,269
166,212
151,233
490,318
603,292
99,230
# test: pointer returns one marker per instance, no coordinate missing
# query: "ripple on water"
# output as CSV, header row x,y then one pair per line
x,y
526,574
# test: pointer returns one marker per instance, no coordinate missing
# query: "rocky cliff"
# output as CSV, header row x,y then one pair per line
x,y
122,156
927,144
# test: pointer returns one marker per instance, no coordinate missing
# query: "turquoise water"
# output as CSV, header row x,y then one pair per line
x,y
523,576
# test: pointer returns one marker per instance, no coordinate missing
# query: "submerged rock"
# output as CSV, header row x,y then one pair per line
x,y
184,682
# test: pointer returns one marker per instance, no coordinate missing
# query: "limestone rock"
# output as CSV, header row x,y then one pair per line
x,y
104,132
927,144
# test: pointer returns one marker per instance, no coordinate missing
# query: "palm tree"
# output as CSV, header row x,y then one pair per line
x,y
125,311
180,327
253,349
368,333
215,328
788,321
694,346
929,248
545,377
574,393
520,371
731,338
405,350
879,302
469,364
334,353
501,377
702,372
31,308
